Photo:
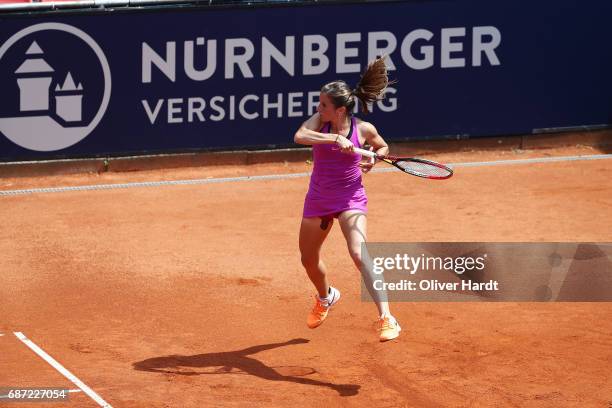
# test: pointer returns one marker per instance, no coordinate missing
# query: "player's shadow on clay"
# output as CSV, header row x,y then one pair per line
x,y
240,362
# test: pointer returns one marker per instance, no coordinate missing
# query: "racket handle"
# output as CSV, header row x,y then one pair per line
x,y
364,152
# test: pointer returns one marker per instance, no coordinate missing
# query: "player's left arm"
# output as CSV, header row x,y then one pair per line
x,y
375,140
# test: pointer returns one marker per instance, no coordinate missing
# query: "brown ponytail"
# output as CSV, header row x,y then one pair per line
x,y
373,83
371,87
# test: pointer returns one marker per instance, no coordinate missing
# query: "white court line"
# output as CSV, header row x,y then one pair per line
x,y
91,393
285,176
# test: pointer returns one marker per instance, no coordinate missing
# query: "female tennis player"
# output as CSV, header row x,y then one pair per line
x,y
336,190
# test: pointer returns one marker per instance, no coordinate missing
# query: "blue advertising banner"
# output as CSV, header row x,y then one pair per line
x,y
142,81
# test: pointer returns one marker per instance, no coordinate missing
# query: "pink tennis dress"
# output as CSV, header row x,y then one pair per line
x,y
335,184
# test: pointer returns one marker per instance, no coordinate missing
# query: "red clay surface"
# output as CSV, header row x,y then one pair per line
x,y
194,296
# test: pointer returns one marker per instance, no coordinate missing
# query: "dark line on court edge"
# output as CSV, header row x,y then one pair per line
x,y
280,176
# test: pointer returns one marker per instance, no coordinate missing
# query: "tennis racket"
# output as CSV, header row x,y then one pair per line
x,y
416,167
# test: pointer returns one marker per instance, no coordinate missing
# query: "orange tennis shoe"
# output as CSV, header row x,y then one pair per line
x,y
321,308
389,328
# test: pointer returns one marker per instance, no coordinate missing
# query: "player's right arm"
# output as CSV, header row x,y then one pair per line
x,y
308,133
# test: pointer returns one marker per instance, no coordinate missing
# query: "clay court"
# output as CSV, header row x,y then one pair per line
x,y
194,296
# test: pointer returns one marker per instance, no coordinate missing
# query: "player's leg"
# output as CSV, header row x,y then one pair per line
x,y
354,227
313,232
312,236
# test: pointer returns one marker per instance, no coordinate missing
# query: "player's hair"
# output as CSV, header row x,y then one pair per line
x,y
370,88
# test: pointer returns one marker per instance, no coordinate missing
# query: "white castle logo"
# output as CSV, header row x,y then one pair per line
x,y
34,90
51,103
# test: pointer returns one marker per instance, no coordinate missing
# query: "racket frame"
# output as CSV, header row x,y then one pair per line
x,y
394,159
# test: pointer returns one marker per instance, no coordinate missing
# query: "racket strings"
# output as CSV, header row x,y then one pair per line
x,y
425,169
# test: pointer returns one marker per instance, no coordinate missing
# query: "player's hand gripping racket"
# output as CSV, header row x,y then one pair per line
x,y
416,167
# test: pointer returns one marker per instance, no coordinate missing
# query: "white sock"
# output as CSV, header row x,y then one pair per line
x,y
325,300
388,314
